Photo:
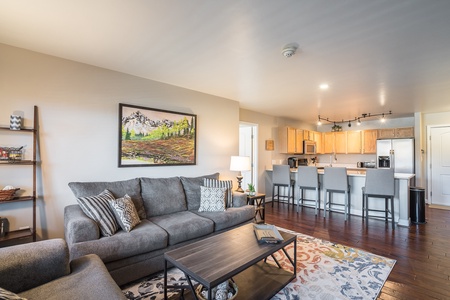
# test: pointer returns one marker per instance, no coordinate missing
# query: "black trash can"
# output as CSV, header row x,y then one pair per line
x,y
417,205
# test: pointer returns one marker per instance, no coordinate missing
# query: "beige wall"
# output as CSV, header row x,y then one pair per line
x,y
78,112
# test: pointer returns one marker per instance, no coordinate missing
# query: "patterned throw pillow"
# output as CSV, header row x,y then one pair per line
x,y
97,208
7,295
212,199
221,183
125,212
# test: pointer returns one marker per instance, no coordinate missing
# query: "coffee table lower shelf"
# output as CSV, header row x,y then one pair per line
x,y
258,282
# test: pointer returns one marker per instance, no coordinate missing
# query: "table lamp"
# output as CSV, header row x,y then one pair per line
x,y
240,163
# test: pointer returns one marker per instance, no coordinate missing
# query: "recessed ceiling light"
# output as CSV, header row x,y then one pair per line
x,y
324,86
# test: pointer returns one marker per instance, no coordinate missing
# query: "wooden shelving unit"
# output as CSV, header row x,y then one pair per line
x,y
29,232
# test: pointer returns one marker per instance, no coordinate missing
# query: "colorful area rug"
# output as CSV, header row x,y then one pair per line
x,y
324,271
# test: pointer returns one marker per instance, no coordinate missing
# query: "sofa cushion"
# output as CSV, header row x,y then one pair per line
x,y
184,226
212,199
162,196
221,183
192,186
98,209
131,187
145,237
231,217
125,212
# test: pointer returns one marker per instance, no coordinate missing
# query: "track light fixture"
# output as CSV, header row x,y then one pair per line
x,y
356,119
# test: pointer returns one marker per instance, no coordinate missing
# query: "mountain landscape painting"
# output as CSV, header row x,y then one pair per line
x,y
153,137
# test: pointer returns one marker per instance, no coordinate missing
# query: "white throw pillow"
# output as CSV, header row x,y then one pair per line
x,y
221,183
212,199
125,212
98,209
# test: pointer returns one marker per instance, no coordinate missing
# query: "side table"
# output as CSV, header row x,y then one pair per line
x,y
259,200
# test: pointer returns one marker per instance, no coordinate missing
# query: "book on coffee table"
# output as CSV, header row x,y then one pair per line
x,y
266,233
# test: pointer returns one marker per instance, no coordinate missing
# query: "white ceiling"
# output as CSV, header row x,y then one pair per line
x,y
375,55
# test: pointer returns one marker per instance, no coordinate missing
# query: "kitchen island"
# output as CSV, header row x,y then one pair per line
x,y
356,179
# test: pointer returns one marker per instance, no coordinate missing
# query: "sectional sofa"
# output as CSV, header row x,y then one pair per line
x,y
169,218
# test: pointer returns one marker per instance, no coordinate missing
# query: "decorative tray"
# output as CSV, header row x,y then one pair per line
x,y
268,234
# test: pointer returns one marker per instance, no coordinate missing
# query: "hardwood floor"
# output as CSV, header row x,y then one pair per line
x,y
422,251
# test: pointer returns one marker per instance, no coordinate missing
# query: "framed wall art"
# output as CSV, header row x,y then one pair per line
x,y
155,137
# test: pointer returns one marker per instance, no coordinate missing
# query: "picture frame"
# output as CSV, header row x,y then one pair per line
x,y
155,137
270,145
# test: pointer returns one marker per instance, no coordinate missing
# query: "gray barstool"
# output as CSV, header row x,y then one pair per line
x,y
308,179
281,177
379,184
335,180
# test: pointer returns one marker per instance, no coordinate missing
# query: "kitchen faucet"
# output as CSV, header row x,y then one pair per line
x,y
331,158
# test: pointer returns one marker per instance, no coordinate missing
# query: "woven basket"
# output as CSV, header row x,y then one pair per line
x,y
6,195
198,291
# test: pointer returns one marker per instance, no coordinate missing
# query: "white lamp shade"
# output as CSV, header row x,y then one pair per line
x,y
240,163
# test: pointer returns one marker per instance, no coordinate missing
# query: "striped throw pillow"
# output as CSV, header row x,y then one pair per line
x,y
97,208
212,199
221,183
125,212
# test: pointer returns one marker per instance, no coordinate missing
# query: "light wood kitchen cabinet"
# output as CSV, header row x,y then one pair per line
x,y
407,132
340,142
318,139
298,141
290,140
328,142
393,133
388,133
354,142
370,141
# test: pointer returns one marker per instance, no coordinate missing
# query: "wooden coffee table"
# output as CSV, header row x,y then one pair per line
x,y
233,254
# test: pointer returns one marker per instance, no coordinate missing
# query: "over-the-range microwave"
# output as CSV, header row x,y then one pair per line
x,y
309,147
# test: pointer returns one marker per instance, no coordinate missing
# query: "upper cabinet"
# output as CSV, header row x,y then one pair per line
x,y
353,142
340,142
370,141
318,139
290,140
395,133
328,142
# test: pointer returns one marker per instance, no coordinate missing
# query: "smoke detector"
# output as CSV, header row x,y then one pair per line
x,y
289,50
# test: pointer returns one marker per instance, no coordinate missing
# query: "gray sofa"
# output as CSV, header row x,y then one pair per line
x,y
168,208
42,270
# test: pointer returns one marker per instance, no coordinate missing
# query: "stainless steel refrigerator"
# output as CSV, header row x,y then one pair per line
x,y
397,154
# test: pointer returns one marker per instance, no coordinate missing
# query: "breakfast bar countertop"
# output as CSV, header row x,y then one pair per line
x,y
358,172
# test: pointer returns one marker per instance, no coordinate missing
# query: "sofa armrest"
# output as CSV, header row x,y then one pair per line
x,y
29,265
78,227
239,199
89,279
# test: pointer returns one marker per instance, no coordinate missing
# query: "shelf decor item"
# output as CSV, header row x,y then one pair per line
x,y
7,193
15,122
155,137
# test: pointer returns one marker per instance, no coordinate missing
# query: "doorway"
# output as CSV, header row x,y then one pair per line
x,y
248,141
439,167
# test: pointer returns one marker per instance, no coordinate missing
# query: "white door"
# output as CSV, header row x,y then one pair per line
x,y
248,147
440,165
